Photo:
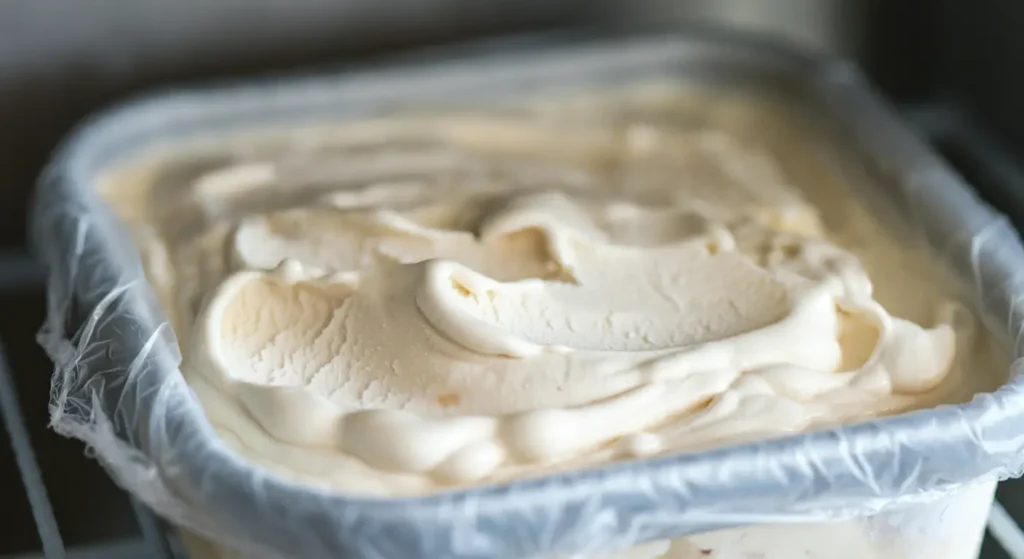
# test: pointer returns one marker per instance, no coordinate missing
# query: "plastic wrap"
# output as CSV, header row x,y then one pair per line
x,y
117,387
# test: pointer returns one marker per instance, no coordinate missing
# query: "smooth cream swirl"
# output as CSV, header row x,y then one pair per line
x,y
471,334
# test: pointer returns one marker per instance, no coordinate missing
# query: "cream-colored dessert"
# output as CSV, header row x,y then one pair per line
x,y
407,304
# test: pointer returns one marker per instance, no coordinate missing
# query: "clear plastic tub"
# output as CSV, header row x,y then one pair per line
x,y
914,485
950,527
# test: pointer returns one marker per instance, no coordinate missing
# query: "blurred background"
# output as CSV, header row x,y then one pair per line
x,y
952,67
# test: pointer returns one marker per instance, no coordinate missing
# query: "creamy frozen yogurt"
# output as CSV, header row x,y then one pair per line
x,y
406,304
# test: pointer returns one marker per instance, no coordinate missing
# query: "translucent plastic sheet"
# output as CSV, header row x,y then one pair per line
x,y
117,386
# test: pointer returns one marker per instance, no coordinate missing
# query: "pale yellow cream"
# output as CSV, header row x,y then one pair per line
x,y
414,303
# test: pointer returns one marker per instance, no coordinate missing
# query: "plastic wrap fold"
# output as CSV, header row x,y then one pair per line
x,y
117,386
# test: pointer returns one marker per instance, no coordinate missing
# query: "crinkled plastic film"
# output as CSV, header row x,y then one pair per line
x,y
117,386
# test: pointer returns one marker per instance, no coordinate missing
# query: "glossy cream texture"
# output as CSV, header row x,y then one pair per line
x,y
403,305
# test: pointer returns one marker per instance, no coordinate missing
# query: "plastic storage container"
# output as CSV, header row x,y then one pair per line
x,y
917,485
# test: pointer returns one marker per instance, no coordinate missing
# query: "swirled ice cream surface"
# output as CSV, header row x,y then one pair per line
x,y
408,304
